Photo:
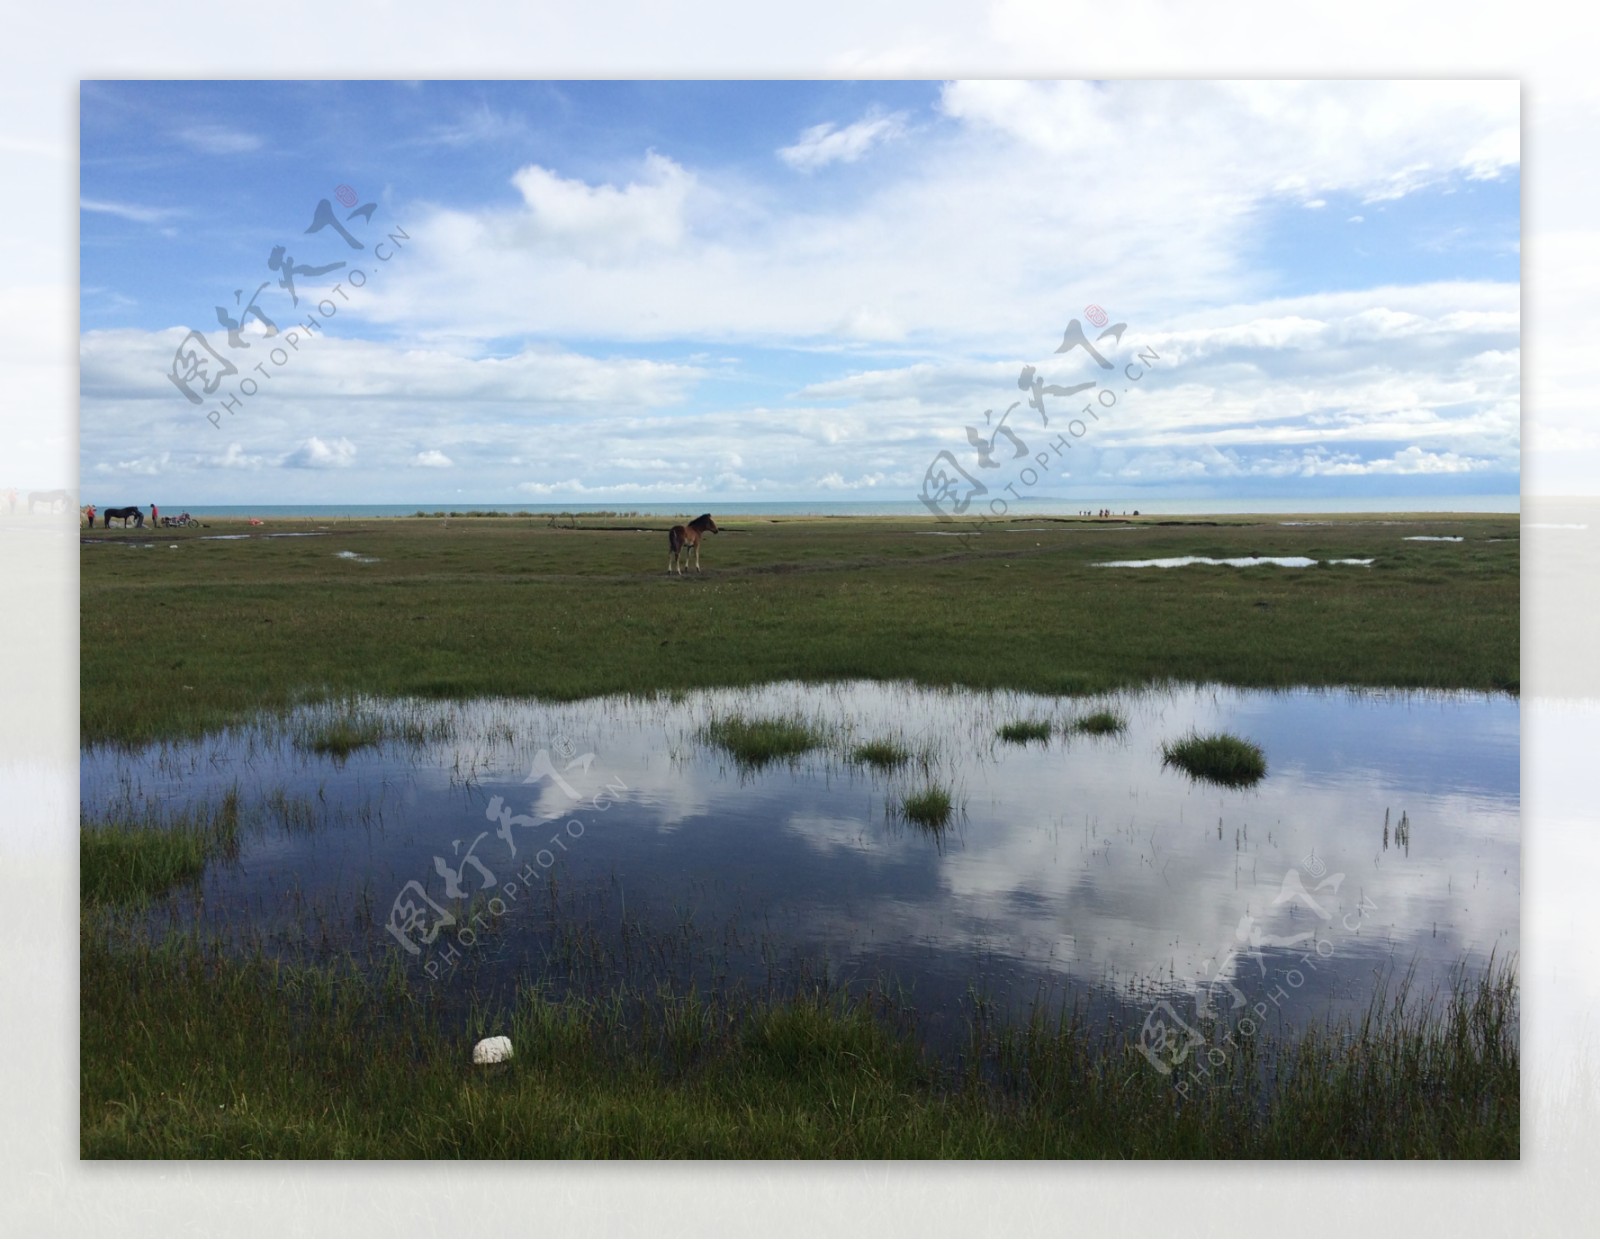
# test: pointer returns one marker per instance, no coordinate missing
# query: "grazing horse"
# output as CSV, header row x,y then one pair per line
x,y
125,515
681,537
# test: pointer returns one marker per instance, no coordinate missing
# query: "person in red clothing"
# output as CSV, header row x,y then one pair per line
x,y
153,515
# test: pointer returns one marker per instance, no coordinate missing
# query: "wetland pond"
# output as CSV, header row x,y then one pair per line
x,y
588,845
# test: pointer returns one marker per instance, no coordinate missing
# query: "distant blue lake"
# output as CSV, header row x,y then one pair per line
x,y
880,508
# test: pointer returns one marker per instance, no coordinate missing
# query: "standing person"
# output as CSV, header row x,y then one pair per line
x,y
153,522
91,516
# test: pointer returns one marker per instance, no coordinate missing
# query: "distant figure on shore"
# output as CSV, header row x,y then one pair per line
x,y
11,501
154,516
89,513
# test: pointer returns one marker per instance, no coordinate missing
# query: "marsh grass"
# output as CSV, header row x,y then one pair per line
x,y
291,812
929,806
343,735
884,754
130,859
1099,723
1219,758
251,1058
755,742
354,727
1022,731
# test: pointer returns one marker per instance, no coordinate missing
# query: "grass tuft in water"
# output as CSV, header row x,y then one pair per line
x,y
1100,723
128,860
1219,758
884,754
1021,731
756,742
342,736
927,807
355,729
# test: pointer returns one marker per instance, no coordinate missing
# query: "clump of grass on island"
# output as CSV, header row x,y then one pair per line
x,y
883,754
929,806
1021,731
756,742
1219,758
343,735
1099,723
128,860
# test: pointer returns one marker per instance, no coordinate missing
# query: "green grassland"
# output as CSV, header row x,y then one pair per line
x,y
188,634
197,1050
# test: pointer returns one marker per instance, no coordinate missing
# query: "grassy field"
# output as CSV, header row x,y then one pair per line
x,y
251,1059
187,633
188,1050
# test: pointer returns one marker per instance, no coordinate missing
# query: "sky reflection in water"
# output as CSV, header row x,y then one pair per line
x,y
1080,861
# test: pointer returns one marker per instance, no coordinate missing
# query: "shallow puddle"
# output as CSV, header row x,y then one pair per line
x,y
589,842
1243,561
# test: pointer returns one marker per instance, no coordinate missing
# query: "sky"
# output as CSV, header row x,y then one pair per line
x,y
724,291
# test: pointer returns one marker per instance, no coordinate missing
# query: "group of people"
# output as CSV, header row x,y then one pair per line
x,y
1105,512
124,514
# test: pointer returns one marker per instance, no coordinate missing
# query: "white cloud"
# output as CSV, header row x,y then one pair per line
x,y
1380,139
126,363
602,221
432,458
235,457
827,143
479,126
144,466
219,140
130,211
316,454
1412,460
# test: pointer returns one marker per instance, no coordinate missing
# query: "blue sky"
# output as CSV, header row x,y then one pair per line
x,y
725,291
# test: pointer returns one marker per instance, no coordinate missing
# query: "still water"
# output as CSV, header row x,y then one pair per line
x,y
590,843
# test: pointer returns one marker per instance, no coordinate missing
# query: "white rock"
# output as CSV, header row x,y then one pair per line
x,y
492,1050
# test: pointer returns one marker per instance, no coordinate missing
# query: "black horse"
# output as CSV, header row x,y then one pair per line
x,y
136,515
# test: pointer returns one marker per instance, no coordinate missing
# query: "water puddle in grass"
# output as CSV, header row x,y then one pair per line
x,y
593,843
1243,561
1433,538
356,557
